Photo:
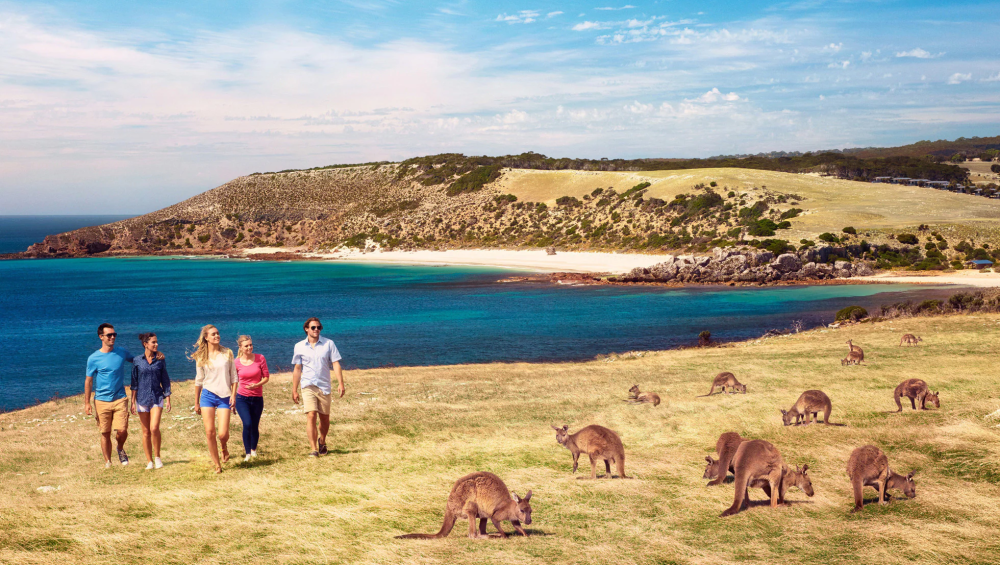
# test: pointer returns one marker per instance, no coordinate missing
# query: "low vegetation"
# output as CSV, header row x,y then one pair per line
x,y
402,436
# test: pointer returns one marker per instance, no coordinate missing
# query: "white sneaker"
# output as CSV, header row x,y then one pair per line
x,y
247,458
149,466
158,464
253,453
107,464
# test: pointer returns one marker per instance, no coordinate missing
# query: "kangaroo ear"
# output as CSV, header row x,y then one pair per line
x,y
709,459
565,428
514,497
527,497
783,412
910,476
805,467
555,427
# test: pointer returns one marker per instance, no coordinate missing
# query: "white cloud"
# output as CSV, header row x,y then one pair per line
x,y
917,53
834,47
959,78
639,108
994,78
553,14
522,17
840,65
625,7
714,95
585,26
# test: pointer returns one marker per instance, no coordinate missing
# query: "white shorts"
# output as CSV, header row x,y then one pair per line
x,y
142,408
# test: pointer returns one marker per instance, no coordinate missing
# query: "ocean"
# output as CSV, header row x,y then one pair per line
x,y
19,232
379,315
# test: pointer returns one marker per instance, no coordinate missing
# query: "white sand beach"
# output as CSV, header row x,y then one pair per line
x,y
965,278
534,260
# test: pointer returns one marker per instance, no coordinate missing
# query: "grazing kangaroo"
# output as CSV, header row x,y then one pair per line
x,y
810,403
789,478
596,441
723,380
869,467
756,462
636,397
853,358
726,448
909,339
855,348
481,496
917,391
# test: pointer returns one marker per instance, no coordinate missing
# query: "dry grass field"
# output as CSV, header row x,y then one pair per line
x,y
830,203
402,436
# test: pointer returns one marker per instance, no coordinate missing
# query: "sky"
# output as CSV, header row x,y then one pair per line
x,y
126,107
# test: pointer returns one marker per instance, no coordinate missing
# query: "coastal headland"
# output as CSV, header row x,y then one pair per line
x,y
401,436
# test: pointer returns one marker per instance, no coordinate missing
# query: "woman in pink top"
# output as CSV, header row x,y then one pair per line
x,y
252,372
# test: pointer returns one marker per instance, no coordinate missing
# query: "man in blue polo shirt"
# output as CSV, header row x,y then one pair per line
x,y
106,370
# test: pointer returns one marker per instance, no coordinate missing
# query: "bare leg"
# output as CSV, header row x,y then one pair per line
x,y
106,445
208,418
121,436
224,414
324,428
154,428
312,431
147,445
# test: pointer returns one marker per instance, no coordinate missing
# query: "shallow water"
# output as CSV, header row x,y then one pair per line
x,y
378,315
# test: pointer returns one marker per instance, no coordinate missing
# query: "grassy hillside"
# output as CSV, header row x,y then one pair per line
x,y
402,436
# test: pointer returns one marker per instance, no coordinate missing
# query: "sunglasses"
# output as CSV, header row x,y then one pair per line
x,y
315,327
111,335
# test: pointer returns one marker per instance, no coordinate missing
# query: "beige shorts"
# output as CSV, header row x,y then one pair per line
x,y
313,400
112,415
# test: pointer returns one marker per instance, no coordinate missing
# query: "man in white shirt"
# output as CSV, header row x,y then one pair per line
x,y
313,358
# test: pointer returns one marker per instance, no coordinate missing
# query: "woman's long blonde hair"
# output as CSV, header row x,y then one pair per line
x,y
200,355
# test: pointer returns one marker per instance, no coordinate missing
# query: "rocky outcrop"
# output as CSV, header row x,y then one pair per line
x,y
747,265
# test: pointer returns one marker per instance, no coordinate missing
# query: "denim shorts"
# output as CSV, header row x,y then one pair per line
x,y
141,408
211,400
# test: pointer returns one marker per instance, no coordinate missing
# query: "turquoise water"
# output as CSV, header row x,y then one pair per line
x,y
17,233
378,315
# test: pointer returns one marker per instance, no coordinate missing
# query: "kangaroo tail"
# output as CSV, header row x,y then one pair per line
x,y
449,523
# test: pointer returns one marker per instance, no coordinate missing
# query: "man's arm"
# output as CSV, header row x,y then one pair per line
x,y
340,377
296,377
88,391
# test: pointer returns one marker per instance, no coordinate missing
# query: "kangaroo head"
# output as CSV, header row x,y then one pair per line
x,y
848,342
742,388
933,398
920,338
523,508
800,478
634,389
711,468
902,482
787,417
561,434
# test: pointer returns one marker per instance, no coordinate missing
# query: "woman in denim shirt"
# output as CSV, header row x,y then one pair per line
x,y
150,394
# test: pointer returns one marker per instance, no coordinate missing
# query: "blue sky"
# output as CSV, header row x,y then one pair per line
x,y
125,107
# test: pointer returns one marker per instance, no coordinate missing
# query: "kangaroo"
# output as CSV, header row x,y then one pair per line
x,y
723,380
855,348
917,391
756,462
596,441
869,467
811,402
636,397
909,339
726,447
853,358
482,496
789,478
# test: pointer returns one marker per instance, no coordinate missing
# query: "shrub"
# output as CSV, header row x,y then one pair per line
x,y
713,184
790,213
567,201
636,190
239,237
995,168
929,246
204,238
807,243
850,230
474,180
851,313
597,191
705,338
786,225
907,239
506,199
731,194
828,237
777,246
734,233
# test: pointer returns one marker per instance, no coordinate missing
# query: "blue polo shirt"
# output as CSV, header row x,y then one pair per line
x,y
108,372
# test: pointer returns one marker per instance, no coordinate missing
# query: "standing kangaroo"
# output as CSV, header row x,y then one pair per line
x,y
759,464
808,406
869,467
636,397
858,350
481,496
909,339
917,391
723,380
726,448
596,441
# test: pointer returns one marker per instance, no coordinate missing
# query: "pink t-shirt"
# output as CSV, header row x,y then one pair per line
x,y
251,374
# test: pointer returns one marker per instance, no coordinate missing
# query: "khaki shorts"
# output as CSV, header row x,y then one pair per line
x,y
112,415
313,400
